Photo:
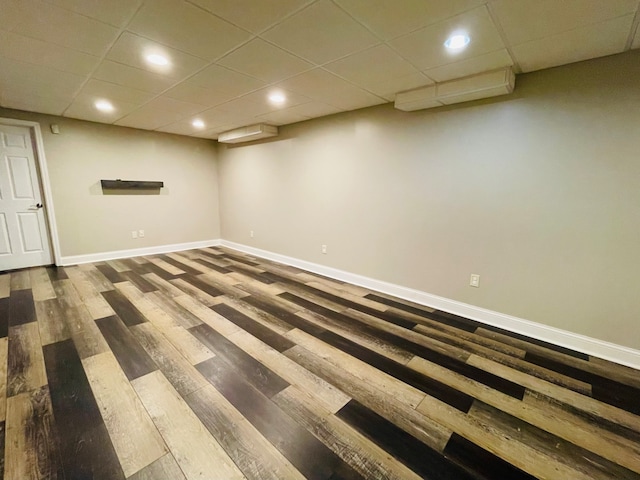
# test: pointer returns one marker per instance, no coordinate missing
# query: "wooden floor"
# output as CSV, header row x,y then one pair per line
x,y
210,364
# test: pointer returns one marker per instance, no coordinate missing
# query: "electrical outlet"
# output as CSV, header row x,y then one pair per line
x,y
324,249
251,233
134,234
140,233
475,280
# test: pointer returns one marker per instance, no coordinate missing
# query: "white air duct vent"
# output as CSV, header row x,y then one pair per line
x,y
248,134
475,87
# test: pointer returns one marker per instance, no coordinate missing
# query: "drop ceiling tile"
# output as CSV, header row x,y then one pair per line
x,y
388,88
38,52
113,91
262,97
131,49
38,79
186,27
597,40
281,117
553,16
314,83
221,117
181,128
471,66
83,107
425,48
636,41
306,33
392,18
113,12
41,20
372,66
113,72
264,61
249,14
188,91
247,108
30,101
218,77
159,113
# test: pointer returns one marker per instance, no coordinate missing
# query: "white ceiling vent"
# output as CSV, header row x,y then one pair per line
x,y
483,85
248,134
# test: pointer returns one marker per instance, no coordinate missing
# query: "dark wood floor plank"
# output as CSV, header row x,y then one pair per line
x,y
56,273
423,460
127,312
182,266
212,265
85,446
256,329
500,333
139,281
283,315
245,366
313,459
4,316
133,359
110,273
482,464
202,285
21,307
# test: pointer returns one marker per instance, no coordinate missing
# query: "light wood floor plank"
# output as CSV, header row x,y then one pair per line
x,y
53,328
40,284
90,296
85,333
165,468
25,371
31,451
135,438
5,285
195,450
20,280
4,351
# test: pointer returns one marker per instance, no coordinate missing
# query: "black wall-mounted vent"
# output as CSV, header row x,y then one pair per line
x,y
131,184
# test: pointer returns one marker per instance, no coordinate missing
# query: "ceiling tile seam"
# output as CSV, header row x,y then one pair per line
x,y
264,30
54,43
634,29
503,36
84,15
417,29
90,75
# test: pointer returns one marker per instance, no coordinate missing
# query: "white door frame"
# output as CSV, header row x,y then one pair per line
x,y
43,177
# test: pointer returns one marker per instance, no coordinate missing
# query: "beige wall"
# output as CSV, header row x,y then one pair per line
x,y
538,192
88,222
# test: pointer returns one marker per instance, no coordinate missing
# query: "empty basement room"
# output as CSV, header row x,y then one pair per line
x,y
319,239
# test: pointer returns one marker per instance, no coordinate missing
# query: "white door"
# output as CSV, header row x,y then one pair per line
x,y
24,237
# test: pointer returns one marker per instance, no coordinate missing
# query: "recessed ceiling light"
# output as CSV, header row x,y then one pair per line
x,y
198,123
277,98
104,106
457,41
157,59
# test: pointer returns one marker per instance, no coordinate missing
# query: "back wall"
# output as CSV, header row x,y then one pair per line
x,y
537,192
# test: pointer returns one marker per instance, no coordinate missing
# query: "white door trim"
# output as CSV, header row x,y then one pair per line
x,y
36,133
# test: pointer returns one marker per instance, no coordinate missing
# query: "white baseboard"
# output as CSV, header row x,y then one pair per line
x,y
574,341
135,252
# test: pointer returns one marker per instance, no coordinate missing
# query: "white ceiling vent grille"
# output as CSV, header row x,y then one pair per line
x,y
248,134
475,87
